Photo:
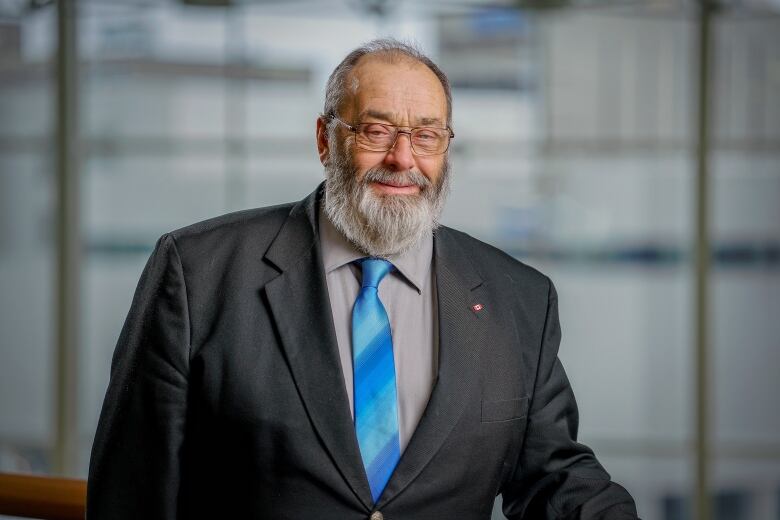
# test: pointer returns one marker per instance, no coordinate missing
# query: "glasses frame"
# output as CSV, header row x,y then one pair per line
x,y
354,129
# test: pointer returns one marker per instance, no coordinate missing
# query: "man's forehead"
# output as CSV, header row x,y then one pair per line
x,y
383,68
385,89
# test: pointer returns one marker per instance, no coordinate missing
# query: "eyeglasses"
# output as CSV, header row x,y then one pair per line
x,y
381,137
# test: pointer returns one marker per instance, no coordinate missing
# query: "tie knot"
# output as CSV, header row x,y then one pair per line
x,y
374,269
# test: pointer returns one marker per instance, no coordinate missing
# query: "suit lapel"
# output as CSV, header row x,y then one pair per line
x,y
300,307
299,303
461,333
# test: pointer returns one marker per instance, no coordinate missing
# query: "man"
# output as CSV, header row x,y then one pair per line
x,y
344,357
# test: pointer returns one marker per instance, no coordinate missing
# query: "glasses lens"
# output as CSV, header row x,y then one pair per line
x,y
375,136
430,141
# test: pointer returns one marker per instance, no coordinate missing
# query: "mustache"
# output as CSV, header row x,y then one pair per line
x,y
405,178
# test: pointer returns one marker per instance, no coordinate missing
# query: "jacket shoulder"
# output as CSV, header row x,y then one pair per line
x,y
251,229
493,264
255,219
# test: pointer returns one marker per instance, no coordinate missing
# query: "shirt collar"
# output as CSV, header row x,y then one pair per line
x,y
337,252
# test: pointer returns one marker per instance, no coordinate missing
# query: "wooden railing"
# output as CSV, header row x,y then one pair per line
x,y
45,498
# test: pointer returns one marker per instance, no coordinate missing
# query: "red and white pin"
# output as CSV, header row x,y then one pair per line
x,y
477,307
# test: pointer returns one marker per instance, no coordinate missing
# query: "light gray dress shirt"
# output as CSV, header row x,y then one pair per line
x,y
408,293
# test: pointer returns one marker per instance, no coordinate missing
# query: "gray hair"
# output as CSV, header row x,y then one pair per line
x,y
336,89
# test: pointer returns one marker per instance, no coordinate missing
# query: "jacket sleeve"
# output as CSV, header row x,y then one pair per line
x,y
134,469
555,477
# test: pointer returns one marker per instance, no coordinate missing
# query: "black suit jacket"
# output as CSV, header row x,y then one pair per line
x,y
227,398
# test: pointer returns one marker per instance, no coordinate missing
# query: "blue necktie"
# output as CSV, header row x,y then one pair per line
x,y
376,407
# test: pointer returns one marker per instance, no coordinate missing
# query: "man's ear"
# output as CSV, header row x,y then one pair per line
x,y
323,146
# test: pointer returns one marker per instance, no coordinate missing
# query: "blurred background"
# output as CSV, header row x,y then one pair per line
x,y
582,149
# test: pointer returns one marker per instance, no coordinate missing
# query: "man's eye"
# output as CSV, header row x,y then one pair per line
x,y
426,135
376,131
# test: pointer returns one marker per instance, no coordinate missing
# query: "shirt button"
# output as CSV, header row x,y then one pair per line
x,y
376,515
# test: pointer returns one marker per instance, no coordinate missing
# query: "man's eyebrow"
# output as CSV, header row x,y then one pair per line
x,y
376,114
429,121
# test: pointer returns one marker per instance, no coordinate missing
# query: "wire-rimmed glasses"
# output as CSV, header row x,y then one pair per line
x,y
381,137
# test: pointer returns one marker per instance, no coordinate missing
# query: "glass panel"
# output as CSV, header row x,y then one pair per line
x,y
746,270
27,249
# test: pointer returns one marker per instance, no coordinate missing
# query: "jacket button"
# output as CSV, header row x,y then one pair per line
x,y
376,515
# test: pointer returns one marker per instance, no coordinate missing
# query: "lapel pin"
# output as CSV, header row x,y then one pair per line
x,y
477,307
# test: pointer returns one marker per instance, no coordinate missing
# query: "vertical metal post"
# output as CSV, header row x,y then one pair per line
x,y
702,259
68,287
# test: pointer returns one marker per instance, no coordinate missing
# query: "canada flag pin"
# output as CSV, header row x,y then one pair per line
x,y
477,307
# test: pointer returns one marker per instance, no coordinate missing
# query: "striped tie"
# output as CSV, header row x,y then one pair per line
x,y
376,408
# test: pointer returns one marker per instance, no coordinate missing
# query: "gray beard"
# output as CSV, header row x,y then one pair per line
x,y
381,225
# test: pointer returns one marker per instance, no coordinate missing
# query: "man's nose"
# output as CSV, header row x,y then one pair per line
x,y
400,156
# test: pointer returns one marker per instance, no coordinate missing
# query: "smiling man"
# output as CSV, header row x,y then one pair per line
x,y
386,197
346,357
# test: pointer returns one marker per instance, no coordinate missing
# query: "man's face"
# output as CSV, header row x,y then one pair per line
x,y
385,202
404,93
